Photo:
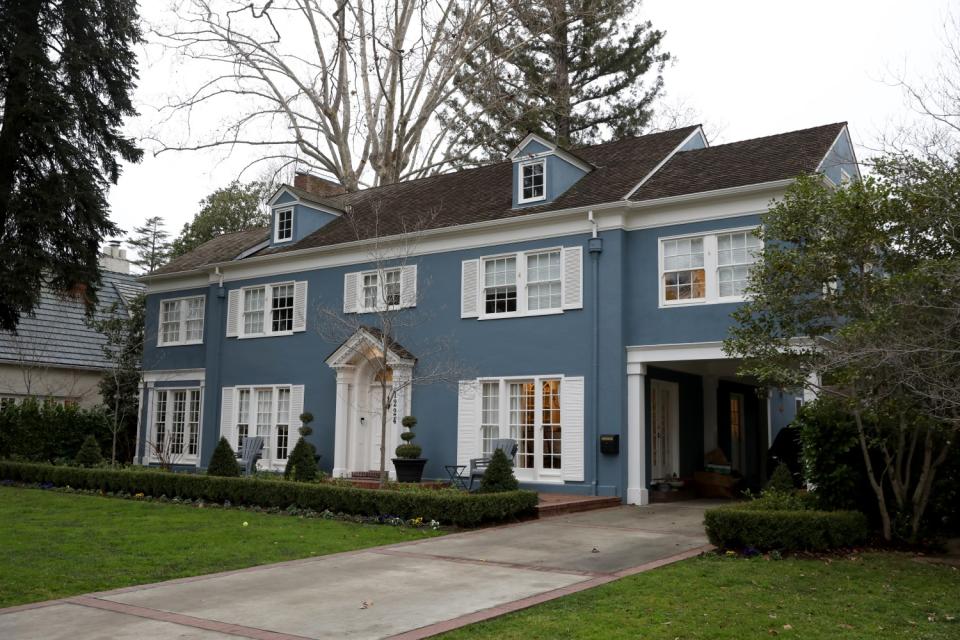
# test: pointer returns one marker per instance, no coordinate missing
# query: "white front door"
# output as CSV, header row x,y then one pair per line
x,y
664,430
374,427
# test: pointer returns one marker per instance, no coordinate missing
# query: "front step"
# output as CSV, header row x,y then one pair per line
x,y
555,504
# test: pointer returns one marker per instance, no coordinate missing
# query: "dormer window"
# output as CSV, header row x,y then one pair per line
x,y
532,181
283,225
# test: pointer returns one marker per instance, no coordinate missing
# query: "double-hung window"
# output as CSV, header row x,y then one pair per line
x,y
268,310
283,225
523,283
532,181
176,425
500,285
181,321
380,290
707,268
265,412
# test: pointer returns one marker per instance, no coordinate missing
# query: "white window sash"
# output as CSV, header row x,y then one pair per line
x,y
380,301
181,305
269,459
522,285
267,310
276,226
710,267
543,195
185,456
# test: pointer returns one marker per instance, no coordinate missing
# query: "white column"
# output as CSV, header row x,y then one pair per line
x,y
637,492
710,438
344,378
402,376
809,395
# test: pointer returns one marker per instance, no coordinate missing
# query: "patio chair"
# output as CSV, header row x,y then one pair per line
x,y
479,465
249,452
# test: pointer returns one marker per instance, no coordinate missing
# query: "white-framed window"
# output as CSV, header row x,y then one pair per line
x,y
707,268
380,289
175,425
522,284
527,410
283,225
532,187
265,411
181,321
267,310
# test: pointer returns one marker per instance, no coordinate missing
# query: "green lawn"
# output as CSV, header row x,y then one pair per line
x,y
55,544
875,596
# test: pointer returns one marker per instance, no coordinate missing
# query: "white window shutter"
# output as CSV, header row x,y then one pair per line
x,y
470,289
300,305
233,313
468,421
571,435
351,292
296,408
228,426
573,277
408,286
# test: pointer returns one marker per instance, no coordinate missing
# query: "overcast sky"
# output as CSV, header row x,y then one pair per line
x,y
751,68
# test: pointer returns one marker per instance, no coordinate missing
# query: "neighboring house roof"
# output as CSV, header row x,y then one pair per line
x,y
485,193
57,334
768,159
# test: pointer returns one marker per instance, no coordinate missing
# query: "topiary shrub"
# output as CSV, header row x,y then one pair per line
x,y
301,463
306,418
499,475
781,480
408,449
89,454
223,462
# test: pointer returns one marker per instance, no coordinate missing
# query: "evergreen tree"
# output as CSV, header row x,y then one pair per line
x,y
236,207
573,71
89,454
67,70
498,476
302,462
223,462
150,241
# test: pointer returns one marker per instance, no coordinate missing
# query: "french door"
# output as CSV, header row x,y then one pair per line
x,y
664,429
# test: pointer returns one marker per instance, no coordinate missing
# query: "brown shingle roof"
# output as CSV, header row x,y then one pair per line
x,y
219,249
736,164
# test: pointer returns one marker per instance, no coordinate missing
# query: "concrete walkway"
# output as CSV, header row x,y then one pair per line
x,y
403,591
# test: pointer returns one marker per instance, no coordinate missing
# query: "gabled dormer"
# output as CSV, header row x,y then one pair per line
x,y
542,171
298,210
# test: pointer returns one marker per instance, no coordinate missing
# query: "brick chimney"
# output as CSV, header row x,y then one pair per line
x,y
316,185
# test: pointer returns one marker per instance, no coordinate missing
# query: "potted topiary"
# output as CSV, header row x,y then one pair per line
x,y
408,463
302,461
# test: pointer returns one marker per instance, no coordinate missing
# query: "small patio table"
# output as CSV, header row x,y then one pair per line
x,y
455,471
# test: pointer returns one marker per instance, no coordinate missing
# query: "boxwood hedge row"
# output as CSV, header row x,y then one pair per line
x,y
739,526
448,507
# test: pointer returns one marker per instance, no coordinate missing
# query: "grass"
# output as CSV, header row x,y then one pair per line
x,y
868,596
55,544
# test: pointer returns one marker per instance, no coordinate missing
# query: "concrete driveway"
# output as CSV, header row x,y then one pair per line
x,y
409,590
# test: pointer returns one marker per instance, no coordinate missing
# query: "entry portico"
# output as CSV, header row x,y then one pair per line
x,y
361,370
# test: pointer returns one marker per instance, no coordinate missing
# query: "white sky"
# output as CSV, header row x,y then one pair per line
x,y
751,68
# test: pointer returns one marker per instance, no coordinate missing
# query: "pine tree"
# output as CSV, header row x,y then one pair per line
x,y
573,71
67,70
223,462
150,241
236,207
89,454
302,463
499,475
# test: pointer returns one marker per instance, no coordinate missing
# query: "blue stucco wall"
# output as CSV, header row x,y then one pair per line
x,y
561,175
783,410
840,158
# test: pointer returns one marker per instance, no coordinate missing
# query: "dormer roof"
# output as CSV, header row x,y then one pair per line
x,y
519,153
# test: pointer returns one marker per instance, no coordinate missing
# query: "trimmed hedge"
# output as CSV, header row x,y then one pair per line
x,y
448,507
756,525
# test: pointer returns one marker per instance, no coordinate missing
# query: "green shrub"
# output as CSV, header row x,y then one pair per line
x,y
89,454
301,463
447,507
306,418
45,431
499,475
763,525
408,449
781,479
223,462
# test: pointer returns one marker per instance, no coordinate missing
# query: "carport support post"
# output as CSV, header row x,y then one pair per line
x,y
637,492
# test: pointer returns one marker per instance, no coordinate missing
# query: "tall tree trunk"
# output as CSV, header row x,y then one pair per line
x,y
561,78
877,486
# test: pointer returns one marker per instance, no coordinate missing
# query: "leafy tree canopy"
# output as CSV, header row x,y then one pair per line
x,y
67,70
236,207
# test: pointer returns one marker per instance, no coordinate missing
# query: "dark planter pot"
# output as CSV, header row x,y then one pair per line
x,y
409,469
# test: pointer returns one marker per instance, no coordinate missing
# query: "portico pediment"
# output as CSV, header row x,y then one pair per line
x,y
367,344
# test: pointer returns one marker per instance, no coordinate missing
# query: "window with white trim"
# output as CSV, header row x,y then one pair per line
x,y
181,321
175,427
264,411
267,310
380,289
532,181
283,225
528,411
523,283
707,268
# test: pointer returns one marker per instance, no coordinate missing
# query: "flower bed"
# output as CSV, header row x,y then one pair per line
x,y
447,507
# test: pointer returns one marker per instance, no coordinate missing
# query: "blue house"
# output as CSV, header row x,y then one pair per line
x,y
583,293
